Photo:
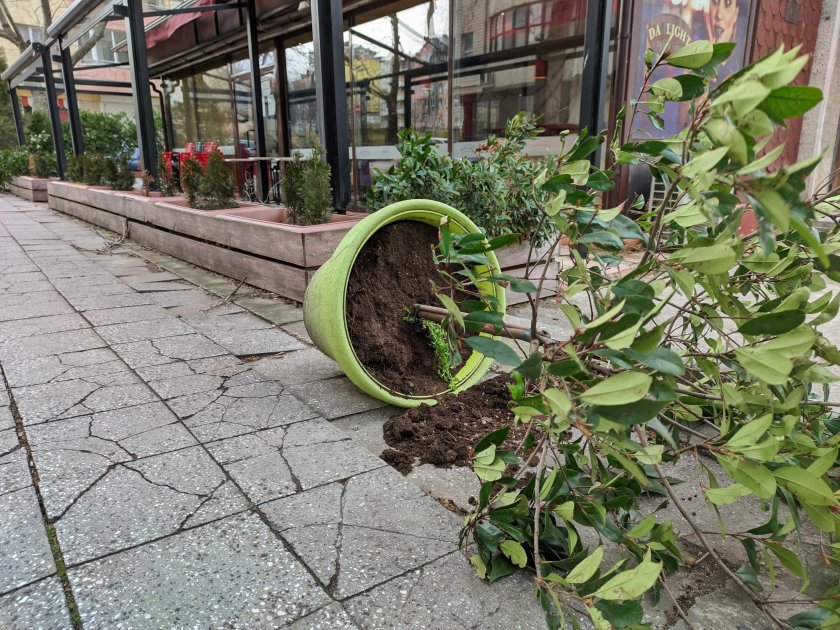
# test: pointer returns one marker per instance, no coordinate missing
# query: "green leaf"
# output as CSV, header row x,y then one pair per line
x,y
637,412
515,552
478,564
488,537
691,85
793,344
763,162
809,238
531,367
790,101
577,170
565,510
563,368
809,619
769,366
744,96
752,475
453,309
662,360
704,162
586,568
727,495
603,239
488,466
632,583
749,577
773,324
669,88
496,438
622,614
788,559
708,260
620,389
807,487
500,566
607,316
749,433
494,349
694,55
558,401
774,207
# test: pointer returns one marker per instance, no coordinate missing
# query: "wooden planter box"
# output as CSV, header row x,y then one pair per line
x,y
29,188
250,242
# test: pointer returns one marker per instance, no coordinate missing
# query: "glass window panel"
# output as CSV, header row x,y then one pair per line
x,y
303,114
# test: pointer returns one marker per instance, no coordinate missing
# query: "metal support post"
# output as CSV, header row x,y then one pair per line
x,y
55,119
139,66
72,103
596,46
331,94
256,99
18,120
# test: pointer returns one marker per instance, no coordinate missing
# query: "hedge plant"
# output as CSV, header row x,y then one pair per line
x,y
306,188
707,347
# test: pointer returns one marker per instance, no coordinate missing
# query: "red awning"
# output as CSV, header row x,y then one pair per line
x,y
167,29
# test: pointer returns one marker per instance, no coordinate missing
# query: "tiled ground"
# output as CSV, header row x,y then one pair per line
x,y
189,457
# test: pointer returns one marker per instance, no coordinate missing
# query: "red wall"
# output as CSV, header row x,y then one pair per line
x,y
772,29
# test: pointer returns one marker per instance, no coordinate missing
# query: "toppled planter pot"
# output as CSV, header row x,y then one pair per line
x,y
29,188
326,311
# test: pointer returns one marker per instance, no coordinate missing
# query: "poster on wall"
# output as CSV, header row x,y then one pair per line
x,y
675,23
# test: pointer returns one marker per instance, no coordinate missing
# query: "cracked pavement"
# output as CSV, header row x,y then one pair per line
x,y
188,456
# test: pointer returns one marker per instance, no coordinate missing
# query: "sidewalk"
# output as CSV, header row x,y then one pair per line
x,y
168,460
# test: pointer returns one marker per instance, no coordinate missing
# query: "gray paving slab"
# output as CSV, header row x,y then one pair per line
x,y
41,325
335,398
16,307
281,461
332,617
447,595
149,352
6,419
105,317
77,397
143,330
274,310
71,455
230,574
145,277
99,302
52,343
366,428
86,364
14,468
191,296
251,342
39,606
299,366
26,553
353,540
140,501
240,409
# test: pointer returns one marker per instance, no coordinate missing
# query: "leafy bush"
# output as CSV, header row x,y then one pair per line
x,y
76,168
119,176
307,189
216,189
110,135
708,347
41,166
13,162
496,190
168,186
208,188
96,169
191,181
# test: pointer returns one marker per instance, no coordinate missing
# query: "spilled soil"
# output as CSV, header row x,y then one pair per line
x,y
444,435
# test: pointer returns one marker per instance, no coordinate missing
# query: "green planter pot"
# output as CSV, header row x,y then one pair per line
x,y
324,311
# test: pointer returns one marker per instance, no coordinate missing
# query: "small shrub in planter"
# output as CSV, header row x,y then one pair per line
x,y
96,169
166,181
191,181
307,189
41,166
76,168
13,163
216,189
120,176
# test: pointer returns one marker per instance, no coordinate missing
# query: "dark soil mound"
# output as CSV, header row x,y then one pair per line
x,y
393,272
445,434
